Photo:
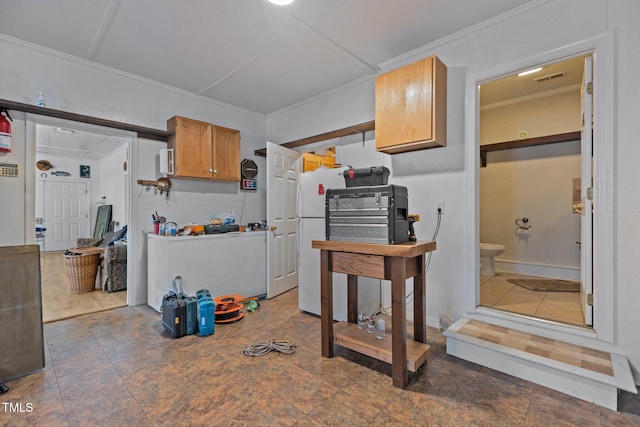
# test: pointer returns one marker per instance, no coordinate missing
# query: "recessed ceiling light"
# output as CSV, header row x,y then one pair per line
x,y
525,73
63,131
281,2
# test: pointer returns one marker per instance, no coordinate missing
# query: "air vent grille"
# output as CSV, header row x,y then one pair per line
x,y
550,77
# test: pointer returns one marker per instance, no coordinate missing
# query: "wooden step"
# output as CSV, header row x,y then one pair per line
x,y
587,374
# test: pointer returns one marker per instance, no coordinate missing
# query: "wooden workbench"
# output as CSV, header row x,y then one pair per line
x,y
389,262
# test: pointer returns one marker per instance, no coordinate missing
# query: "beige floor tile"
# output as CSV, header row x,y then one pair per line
x,y
515,304
497,292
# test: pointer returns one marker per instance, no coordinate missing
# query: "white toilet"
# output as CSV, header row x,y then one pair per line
x,y
487,252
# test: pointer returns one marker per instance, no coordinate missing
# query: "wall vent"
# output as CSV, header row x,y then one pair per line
x,y
550,77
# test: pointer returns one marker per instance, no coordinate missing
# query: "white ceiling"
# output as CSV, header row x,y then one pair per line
x,y
248,53
72,142
553,77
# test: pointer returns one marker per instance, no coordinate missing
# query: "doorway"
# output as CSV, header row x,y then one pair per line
x,y
82,162
531,153
603,191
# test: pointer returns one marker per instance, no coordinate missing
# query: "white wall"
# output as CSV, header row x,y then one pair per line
x,y
12,189
72,166
537,183
622,16
106,184
549,115
439,174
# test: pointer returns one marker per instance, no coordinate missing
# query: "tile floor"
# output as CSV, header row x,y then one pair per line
x,y
58,303
497,292
119,368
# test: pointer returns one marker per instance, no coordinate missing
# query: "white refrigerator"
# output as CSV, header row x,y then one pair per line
x,y
311,226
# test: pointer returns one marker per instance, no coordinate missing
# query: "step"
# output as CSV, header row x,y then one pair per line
x,y
591,375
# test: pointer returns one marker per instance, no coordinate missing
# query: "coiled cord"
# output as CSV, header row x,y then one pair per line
x,y
260,349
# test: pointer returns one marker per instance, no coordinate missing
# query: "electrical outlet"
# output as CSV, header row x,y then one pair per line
x,y
440,207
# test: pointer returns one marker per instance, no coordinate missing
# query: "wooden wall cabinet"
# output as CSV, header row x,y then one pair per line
x,y
313,161
204,151
411,107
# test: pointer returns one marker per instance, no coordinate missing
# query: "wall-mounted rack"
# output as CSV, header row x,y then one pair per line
x,y
361,128
143,132
162,184
529,142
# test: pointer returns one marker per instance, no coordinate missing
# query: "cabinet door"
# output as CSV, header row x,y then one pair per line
x,y
191,141
310,162
411,107
226,154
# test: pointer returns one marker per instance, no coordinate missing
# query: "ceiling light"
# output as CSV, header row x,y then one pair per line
x,y
63,131
525,73
281,2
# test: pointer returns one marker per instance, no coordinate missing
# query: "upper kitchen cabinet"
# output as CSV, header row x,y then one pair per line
x,y
411,107
203,150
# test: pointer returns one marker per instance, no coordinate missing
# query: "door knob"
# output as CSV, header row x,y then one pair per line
x,y
272,228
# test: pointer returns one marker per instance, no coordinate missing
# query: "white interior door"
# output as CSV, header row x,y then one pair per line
x,y
65,214
282,220
586,182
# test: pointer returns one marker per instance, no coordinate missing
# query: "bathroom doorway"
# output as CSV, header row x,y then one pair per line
x,y
534,174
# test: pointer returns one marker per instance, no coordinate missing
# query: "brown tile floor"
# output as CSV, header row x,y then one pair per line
x,y
497,292
119,368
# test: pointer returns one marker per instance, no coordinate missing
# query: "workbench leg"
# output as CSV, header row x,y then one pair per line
x,y
399,322
326,303
352,298
420,303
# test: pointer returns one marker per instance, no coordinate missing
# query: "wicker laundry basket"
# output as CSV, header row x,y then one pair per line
x,y
82,270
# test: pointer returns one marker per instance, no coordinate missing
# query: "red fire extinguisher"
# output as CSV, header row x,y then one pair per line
x,y
5,131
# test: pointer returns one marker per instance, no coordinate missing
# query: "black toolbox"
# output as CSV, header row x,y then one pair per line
x,y
372,214
363,177
174,315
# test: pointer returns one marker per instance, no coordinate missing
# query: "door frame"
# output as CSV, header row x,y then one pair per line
x,y
586,216
601,47
131,210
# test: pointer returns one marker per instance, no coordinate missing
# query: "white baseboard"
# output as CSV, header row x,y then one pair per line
x,y
540,270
